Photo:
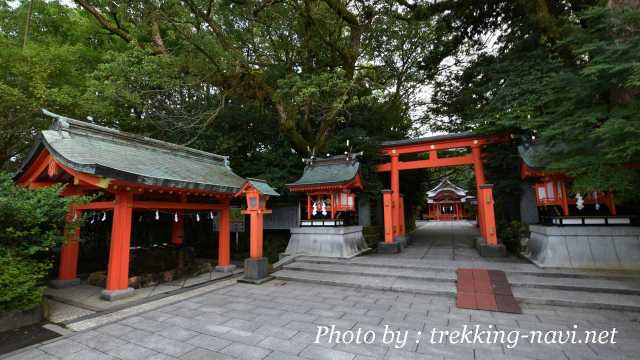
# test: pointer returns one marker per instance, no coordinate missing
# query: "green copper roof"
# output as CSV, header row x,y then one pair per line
x,y
263,187
111,153
452,136
333,170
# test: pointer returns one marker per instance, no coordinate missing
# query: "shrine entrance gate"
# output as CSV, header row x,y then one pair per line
x,y
394,229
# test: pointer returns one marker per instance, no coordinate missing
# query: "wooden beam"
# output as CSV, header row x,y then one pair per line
x,y
98,205
86,179
176,205
439,145
430,163
41,184
36,169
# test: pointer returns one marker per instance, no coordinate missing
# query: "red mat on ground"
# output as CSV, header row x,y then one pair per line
x,y
489,290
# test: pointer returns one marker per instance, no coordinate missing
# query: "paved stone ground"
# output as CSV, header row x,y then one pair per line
x,y
279,320
87,297
446,240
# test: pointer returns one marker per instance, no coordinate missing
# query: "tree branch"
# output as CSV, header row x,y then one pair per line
x,y
106,23
338,7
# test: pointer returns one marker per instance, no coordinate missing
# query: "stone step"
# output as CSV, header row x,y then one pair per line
x,y
387,283
525,295
447,265
366,270
593,300
617,286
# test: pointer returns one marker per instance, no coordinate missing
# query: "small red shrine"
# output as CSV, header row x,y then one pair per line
x,y
329,184
550,187
132,174
446,202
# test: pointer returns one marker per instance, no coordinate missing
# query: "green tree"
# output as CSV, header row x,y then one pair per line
x,y
47,68
307,64
565,72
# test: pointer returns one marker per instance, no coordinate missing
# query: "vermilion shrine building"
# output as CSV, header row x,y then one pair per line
x,y
551,193
132,173
329,185
329,225
446,202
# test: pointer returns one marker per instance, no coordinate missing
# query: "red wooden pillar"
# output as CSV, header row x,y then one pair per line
x,y
260,234
177,231
224,240
309,210
478,169
118,271
395,192
612,204
402,223
388,216
489,221
177,227
67,273
333,206
565,199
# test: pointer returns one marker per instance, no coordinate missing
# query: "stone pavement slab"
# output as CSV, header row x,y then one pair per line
x,y
150,335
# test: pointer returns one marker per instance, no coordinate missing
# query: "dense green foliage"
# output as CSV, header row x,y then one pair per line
x,y
31,225
257,80
565,72
20,282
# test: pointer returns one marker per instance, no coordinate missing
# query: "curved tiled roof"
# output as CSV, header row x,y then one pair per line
x,y
106,152
333,170
446,185
427,139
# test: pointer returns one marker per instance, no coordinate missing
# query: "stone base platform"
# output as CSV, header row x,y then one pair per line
x,y
390,248
488,251
585,247
113,295
337,242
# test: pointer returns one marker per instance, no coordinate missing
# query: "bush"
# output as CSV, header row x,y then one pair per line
x,y
31,224
19,282
511,233
275,243
373,235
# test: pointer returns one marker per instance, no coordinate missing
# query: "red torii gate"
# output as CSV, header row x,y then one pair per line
x,y
394,232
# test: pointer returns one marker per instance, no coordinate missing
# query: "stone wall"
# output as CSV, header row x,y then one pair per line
x,y
283,217
339,241
585,247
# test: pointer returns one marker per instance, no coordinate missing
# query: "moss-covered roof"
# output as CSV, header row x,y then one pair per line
x,y
333,170
535,156
452,136
263,187
106,152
